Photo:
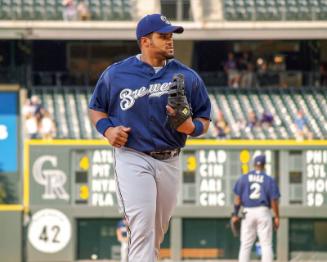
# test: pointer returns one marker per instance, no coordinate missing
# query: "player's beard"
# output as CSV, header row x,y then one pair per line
x,y
165,52
170,53
170,56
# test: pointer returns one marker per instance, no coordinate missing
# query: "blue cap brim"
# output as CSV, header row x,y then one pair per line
x,y
171,29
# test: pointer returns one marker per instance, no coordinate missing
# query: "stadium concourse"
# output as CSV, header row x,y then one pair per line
x,y
264,63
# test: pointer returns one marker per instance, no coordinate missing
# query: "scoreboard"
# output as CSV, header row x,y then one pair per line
x,y
215,171
315,176
72,185
83,175
93,173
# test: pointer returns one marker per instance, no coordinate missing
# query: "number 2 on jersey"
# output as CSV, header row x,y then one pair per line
x,y
255,191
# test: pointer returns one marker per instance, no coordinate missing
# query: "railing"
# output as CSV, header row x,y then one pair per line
x,y
266,79
15,75
22,75
60,78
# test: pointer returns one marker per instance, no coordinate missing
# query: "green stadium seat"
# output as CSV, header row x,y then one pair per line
x,y
68,106
52,9
263,10
106,9
39,10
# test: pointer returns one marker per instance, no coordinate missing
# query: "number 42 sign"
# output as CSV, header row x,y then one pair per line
x,y
49,231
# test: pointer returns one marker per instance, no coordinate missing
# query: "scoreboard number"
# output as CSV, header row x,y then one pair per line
x,y
49,231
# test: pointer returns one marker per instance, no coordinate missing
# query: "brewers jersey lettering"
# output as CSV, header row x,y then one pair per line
x,y
141,97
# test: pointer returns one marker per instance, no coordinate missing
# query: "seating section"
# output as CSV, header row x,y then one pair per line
x,y
235,10
53,9
283,104
68,106
262,10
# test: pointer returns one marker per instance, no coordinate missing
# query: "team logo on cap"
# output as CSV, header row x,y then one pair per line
x,y
164,19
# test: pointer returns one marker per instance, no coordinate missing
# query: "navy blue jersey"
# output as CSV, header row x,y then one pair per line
x,y
133,95
256,189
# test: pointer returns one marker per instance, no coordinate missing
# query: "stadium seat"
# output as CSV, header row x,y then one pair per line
x,y
39,10
52,9
68,106
263,10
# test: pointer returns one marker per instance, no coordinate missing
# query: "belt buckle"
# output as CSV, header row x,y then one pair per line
x,y
164,155
173,153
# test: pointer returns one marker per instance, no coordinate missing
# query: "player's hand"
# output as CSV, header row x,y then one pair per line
x,y
117,136
235,219
276,223
187,127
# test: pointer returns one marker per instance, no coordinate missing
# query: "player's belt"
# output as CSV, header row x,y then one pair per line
x,y
163,155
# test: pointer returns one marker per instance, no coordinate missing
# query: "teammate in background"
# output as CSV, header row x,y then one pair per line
x,y
256,192
122,237
129,108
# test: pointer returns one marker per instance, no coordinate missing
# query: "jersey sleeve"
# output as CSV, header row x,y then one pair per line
x,y
238,187
274,193
100,98
200,102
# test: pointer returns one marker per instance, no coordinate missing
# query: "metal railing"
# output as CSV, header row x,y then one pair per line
x,y
24,77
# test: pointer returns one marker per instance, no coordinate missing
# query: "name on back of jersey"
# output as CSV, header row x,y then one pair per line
x,y
256,178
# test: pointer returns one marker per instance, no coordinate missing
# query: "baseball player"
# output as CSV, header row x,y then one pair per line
x,y
257,193
133,106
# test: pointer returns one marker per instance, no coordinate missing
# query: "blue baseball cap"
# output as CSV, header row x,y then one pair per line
x,y
156,23
260,160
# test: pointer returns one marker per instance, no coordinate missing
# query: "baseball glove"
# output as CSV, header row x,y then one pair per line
x,y
178,101
235,226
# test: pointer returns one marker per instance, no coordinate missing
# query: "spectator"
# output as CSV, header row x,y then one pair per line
x,y
37,120
267,119
248,78
69,10
252,121
31,126
47,127
36,104
222,126
32,116
83,11
28,108
230,68
301,127
244,61
239,125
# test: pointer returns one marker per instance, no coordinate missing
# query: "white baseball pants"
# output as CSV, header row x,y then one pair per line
x,y
257,221
123,252
147,189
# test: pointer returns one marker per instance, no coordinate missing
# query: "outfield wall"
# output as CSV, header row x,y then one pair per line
x,y
70,202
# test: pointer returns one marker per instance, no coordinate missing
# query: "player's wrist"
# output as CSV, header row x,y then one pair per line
x,y
236,210
190,128
107,132
103,125
198,128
